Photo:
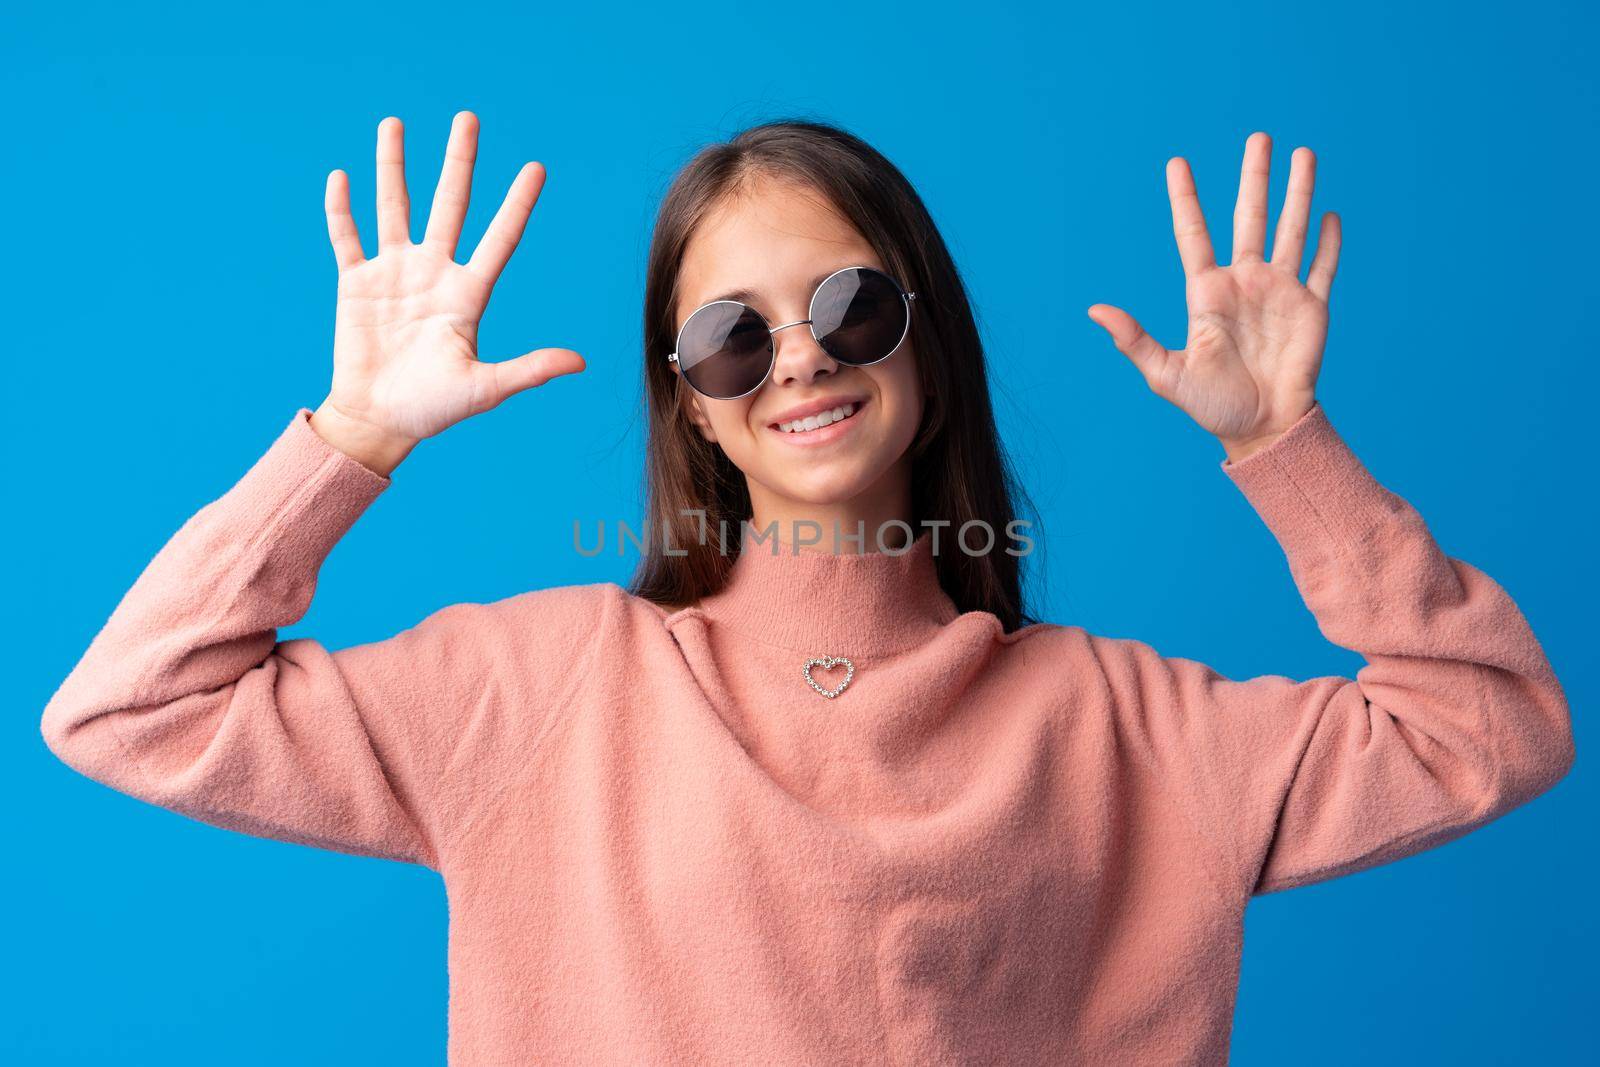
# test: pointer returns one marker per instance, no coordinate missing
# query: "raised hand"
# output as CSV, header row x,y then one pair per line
x,y
1256,335
405,353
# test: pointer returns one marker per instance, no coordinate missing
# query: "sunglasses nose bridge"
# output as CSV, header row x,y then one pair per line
x,y
777,356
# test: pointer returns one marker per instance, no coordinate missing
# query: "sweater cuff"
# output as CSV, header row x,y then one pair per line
x,y
1311,490
304,442
308,486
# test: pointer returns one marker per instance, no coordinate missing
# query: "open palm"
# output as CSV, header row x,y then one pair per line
x,y
406,328
1256,334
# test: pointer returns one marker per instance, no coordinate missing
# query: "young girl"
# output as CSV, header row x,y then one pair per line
x,y
802,799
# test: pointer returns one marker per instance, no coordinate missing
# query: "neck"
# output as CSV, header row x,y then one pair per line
x,y
877,518
850,603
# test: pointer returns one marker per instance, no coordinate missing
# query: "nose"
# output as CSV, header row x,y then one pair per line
x,y
799,357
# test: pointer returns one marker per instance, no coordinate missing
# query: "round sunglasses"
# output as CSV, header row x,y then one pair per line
x,y
858,315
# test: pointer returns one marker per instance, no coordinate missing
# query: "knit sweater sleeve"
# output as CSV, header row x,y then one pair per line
x,y
187,700
1455,719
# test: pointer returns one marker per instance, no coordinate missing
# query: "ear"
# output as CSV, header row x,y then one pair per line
x,y
697,415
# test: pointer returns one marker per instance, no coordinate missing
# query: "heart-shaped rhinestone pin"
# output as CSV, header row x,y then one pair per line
x,y
827,663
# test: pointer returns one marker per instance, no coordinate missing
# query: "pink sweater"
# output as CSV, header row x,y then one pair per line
x,y
661,846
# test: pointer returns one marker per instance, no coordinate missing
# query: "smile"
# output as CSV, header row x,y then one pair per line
x,y
812,423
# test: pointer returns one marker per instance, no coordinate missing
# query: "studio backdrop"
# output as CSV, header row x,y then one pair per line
x,y
170,294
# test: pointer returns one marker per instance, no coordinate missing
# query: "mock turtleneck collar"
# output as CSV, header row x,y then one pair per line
x,y
824,603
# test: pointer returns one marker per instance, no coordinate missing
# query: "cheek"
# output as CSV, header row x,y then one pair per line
x,y
728,419
901,391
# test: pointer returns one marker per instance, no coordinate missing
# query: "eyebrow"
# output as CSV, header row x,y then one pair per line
x,y
745,296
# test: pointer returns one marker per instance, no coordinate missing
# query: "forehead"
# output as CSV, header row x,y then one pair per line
x,y
771,241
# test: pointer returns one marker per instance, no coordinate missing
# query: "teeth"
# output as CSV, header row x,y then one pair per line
x,y
817,421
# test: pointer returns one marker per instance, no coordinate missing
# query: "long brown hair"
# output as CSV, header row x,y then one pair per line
x,y
959,470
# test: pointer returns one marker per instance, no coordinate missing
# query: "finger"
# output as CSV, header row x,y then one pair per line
x,y
512,376
1320,278
454,190
1132,341
505,230
394,204
1289,241
341,225
1250,210
1188,221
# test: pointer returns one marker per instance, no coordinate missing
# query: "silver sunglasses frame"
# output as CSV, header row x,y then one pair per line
x,y
772,344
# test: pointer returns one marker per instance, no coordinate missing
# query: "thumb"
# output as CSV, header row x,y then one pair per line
x,y
1132,341
512,376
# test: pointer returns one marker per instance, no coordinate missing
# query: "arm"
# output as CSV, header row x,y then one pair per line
x,y
186,700
1456,719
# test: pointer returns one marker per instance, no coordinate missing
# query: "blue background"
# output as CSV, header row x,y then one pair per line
x,y
170,295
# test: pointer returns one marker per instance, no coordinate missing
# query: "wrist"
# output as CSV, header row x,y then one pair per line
x,y
376,449
1238,448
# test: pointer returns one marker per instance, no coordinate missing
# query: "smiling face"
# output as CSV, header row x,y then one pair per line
x,y
776,239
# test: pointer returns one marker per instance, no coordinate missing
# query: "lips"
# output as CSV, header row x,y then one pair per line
x,y
815,407
821,435
815,423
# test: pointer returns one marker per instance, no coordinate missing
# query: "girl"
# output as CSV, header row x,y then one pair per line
x,y
794,799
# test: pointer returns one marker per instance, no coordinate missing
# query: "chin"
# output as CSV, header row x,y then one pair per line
x,y
816,487
821,494
832,485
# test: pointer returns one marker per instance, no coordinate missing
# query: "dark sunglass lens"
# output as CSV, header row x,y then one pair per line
x,y
859,316
725,349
